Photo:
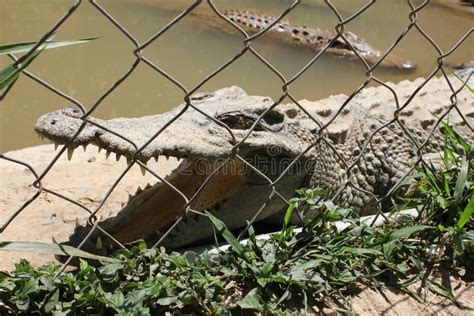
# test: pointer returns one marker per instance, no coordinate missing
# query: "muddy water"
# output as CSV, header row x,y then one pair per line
x,y
190,51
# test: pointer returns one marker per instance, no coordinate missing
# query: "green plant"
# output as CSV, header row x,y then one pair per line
x,y
444,196
10,73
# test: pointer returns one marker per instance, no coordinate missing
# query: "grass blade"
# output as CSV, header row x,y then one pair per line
x,y
10,74
54,249
406,232
228,236
289,213
25,47
466,214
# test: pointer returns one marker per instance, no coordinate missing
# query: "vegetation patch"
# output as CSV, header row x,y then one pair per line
x,y
321,266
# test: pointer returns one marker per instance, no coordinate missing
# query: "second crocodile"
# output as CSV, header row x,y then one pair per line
x,y
253,22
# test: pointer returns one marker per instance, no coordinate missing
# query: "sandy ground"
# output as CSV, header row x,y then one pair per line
x,y
88,177
85,179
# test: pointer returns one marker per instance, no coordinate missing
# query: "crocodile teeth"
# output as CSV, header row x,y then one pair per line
x,y
148,186
98,244
139,189
55,146
143,169
70,151
76,223
99,150
107,154
84,147
130,196
167,157
178,158
156,158
117,157
129,160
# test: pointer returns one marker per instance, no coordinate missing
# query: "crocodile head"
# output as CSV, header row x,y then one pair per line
x,y
209,128
218,143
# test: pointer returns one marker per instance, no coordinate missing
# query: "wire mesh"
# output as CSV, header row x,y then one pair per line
x,y
139,51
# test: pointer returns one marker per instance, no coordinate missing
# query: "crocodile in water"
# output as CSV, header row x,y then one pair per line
x,y
253,22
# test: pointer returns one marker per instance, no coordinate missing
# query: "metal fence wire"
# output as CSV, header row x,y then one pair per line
x,y
139,51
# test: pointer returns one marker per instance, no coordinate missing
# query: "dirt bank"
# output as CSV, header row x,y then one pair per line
x,y
85,179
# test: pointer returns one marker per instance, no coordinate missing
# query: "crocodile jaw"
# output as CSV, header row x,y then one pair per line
x,y
182,139
185,132
159,206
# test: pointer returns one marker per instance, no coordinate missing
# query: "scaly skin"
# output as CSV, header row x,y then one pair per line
x,y
284,132
252,22
313,38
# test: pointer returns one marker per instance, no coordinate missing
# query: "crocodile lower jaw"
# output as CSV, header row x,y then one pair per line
x,y
194,186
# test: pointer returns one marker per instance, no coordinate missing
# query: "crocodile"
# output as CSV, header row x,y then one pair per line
x,y
253,22
247,142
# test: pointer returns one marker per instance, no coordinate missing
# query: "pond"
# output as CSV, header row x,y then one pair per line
x,y
191,50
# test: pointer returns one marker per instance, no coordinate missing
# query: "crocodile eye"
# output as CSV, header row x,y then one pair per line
x,y
235,120
240,120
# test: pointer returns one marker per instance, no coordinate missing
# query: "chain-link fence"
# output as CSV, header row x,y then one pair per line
x,y
240,126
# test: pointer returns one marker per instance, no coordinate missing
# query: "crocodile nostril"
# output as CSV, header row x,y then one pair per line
x,y
53,122
273,117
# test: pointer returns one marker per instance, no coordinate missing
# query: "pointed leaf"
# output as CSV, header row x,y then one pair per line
x,y
252,301
466,214
54,249
228,236
406,232
9,74
289,213
27,46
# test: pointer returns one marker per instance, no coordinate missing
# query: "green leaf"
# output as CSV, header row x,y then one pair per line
x,y
252,301
10,74
54,249
389,248
168,300
466,214
117,300
361,251
136,297
406,232
289,213
29,287
27,46
431,179
440,289
228,236
458,139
